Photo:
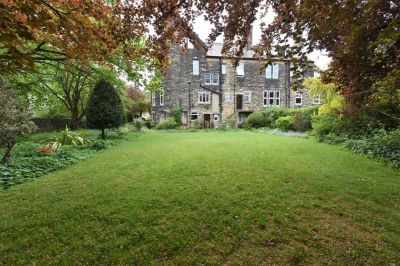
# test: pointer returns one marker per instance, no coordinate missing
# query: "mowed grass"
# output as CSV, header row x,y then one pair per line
x,y
207,198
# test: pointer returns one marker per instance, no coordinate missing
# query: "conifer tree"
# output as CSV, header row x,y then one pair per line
x,y
105,109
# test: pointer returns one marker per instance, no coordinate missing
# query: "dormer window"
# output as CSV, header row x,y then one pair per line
x,y
272,71
211,78
223,69
196,67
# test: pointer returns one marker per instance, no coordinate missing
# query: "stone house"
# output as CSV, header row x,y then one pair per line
x,y
208,87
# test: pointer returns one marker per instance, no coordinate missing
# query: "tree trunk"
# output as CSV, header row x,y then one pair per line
x,y
6,156
103,136
74,120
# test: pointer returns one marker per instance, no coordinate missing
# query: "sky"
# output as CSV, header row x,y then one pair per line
x,y
203,29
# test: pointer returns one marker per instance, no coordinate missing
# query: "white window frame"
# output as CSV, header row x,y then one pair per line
x,y
207,78
265,98
298,95
223,69
211,78
275,71
229,97
215,78
161,98
317,99
268,72
248,95
194,113
276,98
153,98
272,71
196,67
240,69
204,98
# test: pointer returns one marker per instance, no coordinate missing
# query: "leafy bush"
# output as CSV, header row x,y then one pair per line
x,y
272,114
223,126
284,123
384,145
147,123
301,121
266,118
256,120
138,123
196,123
15,119
231,122
99,144
326,125
168,123
176,113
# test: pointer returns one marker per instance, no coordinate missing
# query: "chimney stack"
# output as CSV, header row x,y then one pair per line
x,y
250,38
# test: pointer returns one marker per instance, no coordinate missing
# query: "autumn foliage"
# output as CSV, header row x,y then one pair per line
x,y
135,94
362,37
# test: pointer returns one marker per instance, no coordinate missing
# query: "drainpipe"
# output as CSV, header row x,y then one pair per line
x,y
220,89
287,62
234,92
190,105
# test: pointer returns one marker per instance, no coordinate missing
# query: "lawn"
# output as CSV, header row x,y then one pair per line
x,y
207,198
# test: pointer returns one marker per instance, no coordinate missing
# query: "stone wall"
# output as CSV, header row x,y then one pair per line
x,y
182,87
54,124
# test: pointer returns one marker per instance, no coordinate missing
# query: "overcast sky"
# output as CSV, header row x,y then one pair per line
x,y
203,29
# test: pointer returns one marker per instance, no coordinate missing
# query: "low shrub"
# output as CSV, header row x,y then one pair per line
x,y
138,123
256,120
384,145
168,123
284,123
231,122
326,125
266,118
196,124
301,121
148,124
223,126
99,144
176,113
272,114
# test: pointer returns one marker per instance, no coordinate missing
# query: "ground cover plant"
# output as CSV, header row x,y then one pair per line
x,y
42,153
202,198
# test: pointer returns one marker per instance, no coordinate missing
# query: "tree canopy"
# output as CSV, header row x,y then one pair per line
x,y
15,119
362,37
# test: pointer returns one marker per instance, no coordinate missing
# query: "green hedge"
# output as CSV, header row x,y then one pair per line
x,y
284,123
168,123
300,118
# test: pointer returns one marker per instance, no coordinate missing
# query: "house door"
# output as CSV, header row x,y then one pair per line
x,y
207,121
239,101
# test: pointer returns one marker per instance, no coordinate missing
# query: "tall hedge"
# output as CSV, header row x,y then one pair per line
x,y
105,109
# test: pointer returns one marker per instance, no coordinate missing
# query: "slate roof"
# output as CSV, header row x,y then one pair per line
x,y
216,51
